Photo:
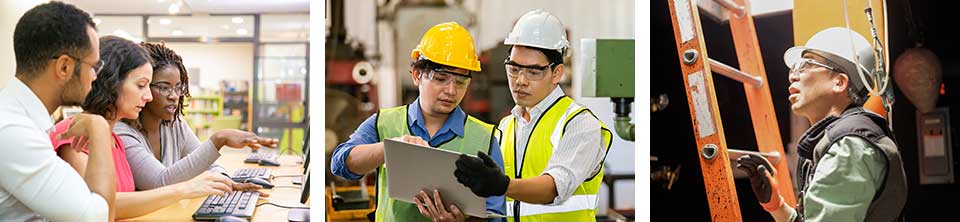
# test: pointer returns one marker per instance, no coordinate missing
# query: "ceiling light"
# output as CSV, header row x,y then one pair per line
x,y
237,20
173,9
165,21
241,31
126,35
177,32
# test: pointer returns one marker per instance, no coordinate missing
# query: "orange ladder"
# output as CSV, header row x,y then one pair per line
x,y
701,96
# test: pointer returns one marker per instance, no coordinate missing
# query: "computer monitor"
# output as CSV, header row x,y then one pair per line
x,y
302,214
304,181
305,189
306,157
306,151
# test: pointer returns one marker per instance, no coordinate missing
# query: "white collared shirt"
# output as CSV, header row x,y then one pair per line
x,y
575,158
35,184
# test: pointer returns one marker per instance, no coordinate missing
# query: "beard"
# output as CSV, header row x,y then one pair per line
x,y
73,93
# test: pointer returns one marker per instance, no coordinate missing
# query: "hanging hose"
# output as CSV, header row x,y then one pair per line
x,y
881,79
880,72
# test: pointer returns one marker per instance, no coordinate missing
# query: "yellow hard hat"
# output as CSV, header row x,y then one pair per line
x,y
448,44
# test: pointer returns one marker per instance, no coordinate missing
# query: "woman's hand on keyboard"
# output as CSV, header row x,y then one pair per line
x,y
205,184
250,187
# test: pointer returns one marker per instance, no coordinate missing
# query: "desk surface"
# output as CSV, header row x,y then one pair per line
x,y
232,159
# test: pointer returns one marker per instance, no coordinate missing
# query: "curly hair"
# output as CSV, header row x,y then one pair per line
x,y
120,56
163,57
49,30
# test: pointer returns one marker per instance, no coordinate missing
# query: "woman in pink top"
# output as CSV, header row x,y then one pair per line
x,y
124,175
120,91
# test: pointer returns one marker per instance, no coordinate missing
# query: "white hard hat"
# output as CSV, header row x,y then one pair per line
x,y
840,46
539,29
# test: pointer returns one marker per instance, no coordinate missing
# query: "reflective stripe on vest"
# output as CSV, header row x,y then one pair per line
x,y
546,135
575,203
393,122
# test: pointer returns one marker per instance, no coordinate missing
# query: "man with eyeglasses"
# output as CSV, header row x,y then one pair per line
x,y
57,54
553,147
443,65
849,168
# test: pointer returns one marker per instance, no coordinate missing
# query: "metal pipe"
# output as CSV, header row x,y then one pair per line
x,y
622,125
773,157
733,154
730,72
739,10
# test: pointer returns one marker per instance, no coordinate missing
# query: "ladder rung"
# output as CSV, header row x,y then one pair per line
x,y
773,157
735,74
739,10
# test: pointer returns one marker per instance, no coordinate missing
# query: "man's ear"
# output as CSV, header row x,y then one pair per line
x,y
63,67
841,83
557,74
415,75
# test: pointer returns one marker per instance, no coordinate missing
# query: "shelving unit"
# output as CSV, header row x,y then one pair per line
x,y
236,101
204,105
201,110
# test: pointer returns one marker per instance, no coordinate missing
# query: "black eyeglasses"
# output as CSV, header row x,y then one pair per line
x,y
165,89
95,66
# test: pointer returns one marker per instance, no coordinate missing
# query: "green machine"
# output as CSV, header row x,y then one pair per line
x,y
609,71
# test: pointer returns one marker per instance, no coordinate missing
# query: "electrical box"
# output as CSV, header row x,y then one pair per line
x,y
608,68
934,150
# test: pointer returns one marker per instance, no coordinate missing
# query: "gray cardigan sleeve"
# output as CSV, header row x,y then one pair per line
x,y
148,171
190,143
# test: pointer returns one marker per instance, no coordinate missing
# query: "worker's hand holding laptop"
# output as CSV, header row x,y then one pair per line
x,y
412,140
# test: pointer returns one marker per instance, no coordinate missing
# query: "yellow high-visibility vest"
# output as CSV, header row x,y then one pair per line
x,y
391,123
582,205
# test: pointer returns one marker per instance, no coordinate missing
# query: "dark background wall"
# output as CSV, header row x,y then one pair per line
x,y
673,143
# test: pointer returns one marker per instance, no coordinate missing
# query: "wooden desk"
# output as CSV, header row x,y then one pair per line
x,y
232,159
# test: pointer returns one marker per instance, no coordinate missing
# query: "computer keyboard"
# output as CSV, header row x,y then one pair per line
x,y
245,173
238,204
261,154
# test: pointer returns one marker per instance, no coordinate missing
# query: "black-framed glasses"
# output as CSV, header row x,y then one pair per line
x,y
165,89
532,72
95,66
806,64
445,77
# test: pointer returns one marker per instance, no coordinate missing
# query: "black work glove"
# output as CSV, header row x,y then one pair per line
x,y
481,175
761,179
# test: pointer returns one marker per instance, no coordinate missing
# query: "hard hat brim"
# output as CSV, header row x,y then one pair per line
x,y
793,55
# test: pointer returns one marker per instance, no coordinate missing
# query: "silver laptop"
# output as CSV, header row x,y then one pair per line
x,y
412,168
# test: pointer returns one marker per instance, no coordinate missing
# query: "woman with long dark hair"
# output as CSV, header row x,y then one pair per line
x,y
161,147
121,91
